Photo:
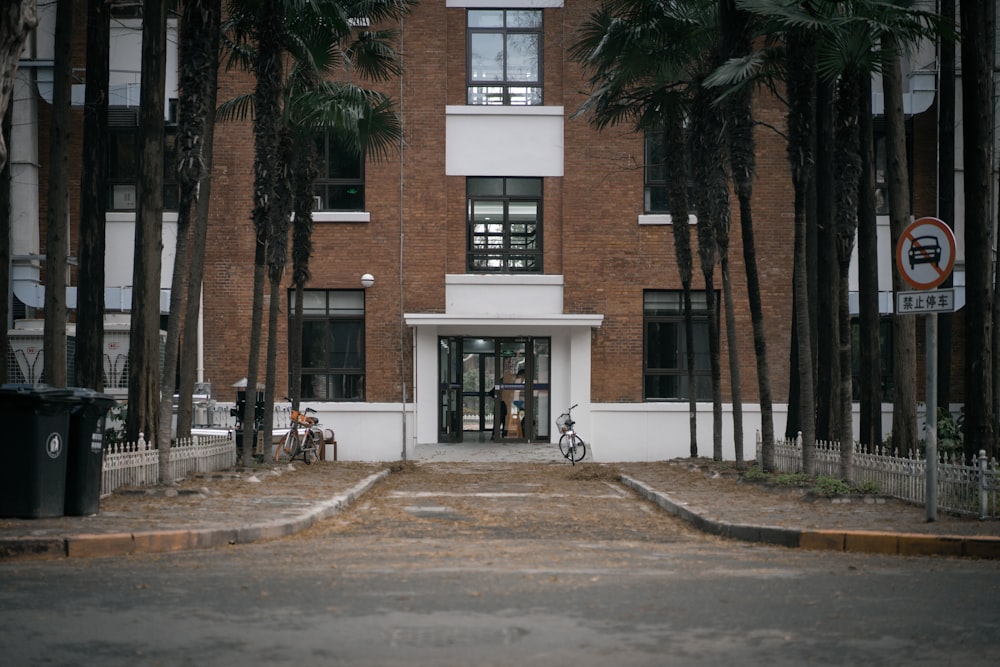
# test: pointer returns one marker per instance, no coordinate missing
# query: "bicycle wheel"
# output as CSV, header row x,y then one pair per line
x,y
564,445
578,450
284,445
293,444
310,450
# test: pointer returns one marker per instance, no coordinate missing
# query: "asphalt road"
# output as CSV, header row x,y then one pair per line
x,y
450,566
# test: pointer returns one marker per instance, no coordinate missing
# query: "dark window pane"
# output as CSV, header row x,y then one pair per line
x,y
504,54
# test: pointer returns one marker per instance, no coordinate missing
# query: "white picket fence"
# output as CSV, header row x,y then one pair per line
x,y
962,489
138,463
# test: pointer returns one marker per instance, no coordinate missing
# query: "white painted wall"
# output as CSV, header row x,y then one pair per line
x,y
367,431
503,141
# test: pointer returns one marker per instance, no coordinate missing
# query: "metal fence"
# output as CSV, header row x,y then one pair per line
x,y
962,489
138,463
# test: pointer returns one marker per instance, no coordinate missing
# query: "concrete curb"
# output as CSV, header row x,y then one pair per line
x,y
162,541
859,541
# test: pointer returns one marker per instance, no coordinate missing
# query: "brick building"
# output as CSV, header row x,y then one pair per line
x,y
517,260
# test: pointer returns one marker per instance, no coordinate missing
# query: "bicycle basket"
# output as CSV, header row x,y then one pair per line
x,y
303,418
561,423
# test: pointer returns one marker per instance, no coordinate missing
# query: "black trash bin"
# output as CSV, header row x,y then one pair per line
x,y
85,452
34,420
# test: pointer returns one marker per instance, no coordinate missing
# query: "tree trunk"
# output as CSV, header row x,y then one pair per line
x,y
709,170
277,258
848,166
742,154
144,340
90,290
17,19
211,14
801,95
5,247
675,144
946,190
305,174
904,413
732,340
826,306
57,240
977,24
266,113
869,327
196,34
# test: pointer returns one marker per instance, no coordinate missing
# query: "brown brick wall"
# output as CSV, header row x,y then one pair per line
x,y
417,232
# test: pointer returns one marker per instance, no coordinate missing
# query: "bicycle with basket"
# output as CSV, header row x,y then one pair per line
x,y
304,438
571,445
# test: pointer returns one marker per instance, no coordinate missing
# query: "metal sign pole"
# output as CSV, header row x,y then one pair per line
x,y
931,458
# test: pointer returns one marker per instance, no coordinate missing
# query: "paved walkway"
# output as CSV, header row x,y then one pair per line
x,y
240,506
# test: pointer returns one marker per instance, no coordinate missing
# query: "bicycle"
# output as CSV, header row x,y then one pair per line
x,y
305,444
570,444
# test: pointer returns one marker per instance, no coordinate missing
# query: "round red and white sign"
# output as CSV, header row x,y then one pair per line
x,y
925,253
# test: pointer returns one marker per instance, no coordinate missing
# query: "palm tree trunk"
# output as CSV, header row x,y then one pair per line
x,y
57,242
870,339
732,340
709,169
736,31
801,94
946,193
305,174
827,374
977,24
675,144
266,112
5,249
904,413
144,341
93,218
203,42
848,166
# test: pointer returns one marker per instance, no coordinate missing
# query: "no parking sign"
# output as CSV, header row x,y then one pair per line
x,y
925,253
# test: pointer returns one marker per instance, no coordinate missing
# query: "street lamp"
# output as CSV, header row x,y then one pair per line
x,y
367,280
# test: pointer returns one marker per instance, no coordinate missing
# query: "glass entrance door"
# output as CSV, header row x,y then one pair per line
x,y
494,389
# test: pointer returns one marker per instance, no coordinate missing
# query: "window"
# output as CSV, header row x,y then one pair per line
x,y
885,355
340,185
664,366
504,56
123,160
655,173
505,225
333,344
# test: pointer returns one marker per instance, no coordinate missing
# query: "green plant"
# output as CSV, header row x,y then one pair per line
x,y
949,431
831,486
868,488
792,479
755,473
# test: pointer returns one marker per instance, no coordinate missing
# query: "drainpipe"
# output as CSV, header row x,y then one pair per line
x,y
402,323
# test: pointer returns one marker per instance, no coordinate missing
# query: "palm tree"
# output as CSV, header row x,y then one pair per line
x,y
205,32
320,36
977,23
639,56
199,37
89,370
736,26
144,339
57,244
712,197
847,36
